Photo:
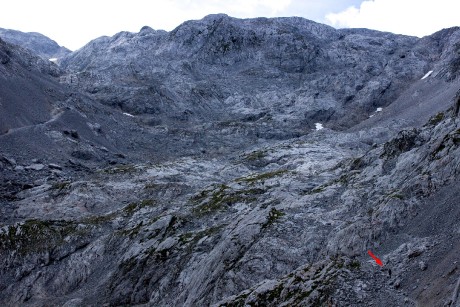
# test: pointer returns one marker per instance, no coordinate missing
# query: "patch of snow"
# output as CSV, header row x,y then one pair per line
x,y
54,60
372,116
127,114
427,75
318,126
379,110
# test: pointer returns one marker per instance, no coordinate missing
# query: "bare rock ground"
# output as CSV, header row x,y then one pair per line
x,y
183,168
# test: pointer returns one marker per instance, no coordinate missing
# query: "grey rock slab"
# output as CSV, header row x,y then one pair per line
x,y
35,167
35,42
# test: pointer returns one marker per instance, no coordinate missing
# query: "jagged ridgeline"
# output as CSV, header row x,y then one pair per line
x,y
230,162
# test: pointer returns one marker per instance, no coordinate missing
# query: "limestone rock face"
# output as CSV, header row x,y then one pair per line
x,y
187,168
294,71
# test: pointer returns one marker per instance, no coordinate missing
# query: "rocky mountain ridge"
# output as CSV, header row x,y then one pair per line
x,y
183,168
35,42
283,68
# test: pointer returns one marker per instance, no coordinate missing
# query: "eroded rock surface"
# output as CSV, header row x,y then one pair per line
x,y
183,168
35,42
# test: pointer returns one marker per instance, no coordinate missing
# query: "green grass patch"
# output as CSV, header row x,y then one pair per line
x,y
34,236
436,119
60,186
221,198
133,207
192,238
120,169
273,216
342,180
132,232
397,196
356,164
262,177
151,186
98,219
318,190
275,294
186,237
255,155
354,264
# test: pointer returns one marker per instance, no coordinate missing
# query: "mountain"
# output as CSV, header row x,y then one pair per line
x,y
36,42
43,123
275,77
285,69
229,162
23,79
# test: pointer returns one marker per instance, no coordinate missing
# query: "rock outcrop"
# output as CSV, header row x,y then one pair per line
x,y
290,71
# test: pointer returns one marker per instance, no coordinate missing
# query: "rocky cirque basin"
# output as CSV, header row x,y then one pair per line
x,y
183,169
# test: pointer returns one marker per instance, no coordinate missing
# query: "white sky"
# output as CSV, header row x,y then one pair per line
x,y
412,17
75,23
